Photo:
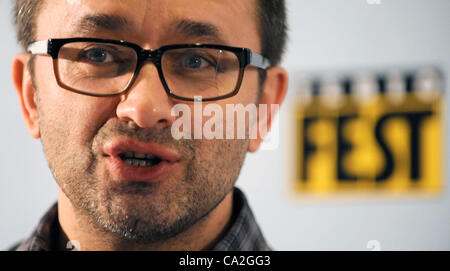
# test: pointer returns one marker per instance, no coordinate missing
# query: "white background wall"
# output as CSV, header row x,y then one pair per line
x,y
324,35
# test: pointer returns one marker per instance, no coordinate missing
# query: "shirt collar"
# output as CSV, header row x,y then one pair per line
x,y
45,235
244,233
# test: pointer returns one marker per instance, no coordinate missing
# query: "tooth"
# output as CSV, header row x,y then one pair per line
x,y
139,155
142,163
135,163
129,162
150,156
129,154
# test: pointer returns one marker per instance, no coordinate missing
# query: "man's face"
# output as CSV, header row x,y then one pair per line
x,y
82,135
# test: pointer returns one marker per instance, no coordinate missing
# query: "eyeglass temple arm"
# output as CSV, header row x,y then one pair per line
x,y
38,47
258,60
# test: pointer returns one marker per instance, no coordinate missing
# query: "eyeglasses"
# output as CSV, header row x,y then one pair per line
x,y
102,68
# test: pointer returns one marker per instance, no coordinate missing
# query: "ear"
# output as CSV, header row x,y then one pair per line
x,y
274,91
24,87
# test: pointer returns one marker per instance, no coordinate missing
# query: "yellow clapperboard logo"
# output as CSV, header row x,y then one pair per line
x,y
372,132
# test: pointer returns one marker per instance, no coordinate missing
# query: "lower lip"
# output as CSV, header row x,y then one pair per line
x,y
128,172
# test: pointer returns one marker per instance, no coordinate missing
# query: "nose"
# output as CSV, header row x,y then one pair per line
x,y
146,103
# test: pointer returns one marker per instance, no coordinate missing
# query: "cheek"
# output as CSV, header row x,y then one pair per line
x,y
68,123
89,114
222,119
72,116
218,162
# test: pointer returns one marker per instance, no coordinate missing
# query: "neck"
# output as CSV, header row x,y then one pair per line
x,y
75,225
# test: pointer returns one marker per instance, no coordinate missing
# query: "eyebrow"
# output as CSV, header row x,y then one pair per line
x,y
195,29
113,23
101,22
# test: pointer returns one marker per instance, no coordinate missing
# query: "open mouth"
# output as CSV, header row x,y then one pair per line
x,y
130,159
140,159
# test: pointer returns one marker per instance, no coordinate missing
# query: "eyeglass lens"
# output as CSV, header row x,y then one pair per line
x,y
104,68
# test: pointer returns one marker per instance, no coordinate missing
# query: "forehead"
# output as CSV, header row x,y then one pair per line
x,y
151,22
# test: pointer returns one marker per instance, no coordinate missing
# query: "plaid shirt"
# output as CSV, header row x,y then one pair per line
x,y
242,235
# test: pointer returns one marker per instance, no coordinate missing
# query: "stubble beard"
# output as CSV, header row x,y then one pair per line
x,y
137,211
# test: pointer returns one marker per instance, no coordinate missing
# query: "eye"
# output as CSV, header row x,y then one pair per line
x,y
98,55
194,62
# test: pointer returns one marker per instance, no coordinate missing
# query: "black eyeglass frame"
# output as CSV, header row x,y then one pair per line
x,y
245,56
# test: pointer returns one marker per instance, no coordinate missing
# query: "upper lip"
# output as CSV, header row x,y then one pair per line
x,y
118,146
